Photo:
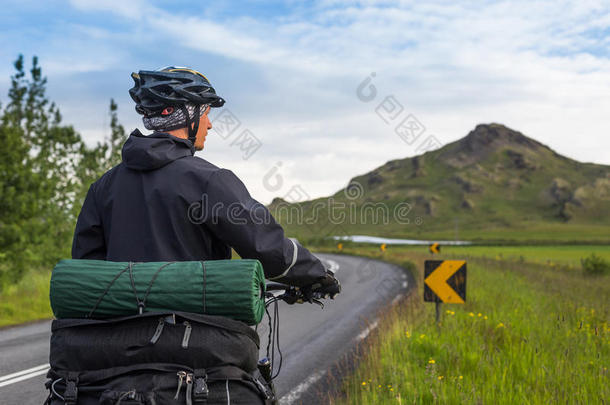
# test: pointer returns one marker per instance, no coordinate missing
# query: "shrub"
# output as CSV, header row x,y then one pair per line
x,y
595,265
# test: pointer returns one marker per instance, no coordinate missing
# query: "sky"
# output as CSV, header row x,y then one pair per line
x,y
321,91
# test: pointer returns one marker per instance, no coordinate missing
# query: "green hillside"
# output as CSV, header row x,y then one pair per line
x,y
493,184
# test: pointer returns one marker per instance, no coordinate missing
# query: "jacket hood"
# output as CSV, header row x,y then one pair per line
x,y
141,152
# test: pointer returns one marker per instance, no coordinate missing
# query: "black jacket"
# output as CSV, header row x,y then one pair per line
x,y
164,204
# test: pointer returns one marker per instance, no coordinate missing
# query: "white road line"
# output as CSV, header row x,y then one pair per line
x,y
295,394
29,370
23,375
366,332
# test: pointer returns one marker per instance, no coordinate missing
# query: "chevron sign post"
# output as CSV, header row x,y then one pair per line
x,y
444,281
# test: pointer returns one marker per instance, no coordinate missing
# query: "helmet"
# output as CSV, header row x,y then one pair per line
x,y
173,86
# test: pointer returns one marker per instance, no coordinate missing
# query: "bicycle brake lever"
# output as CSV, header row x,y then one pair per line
x,y
315,301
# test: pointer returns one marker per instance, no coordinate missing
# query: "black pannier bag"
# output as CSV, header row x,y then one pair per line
x,y
154,358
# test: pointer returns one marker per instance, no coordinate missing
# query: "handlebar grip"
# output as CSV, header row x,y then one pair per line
x,y
276,286
264,367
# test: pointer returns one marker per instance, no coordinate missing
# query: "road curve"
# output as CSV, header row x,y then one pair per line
x,y
312,339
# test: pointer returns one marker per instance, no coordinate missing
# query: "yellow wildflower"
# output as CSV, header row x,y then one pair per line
x,y
363,382
461,377
480,315
471,314
422,336
485,317
500,325
431,361
440,377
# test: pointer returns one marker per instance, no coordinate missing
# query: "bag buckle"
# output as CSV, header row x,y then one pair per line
x,y
200,388
71,391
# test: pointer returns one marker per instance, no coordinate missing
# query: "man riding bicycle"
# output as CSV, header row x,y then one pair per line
x,y
164,204
142,209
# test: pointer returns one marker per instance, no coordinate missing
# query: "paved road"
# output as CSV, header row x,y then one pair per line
x,y
312,339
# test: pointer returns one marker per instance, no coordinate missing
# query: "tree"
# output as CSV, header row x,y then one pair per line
x,y
20,183
45,171
96,161
117,137
17,206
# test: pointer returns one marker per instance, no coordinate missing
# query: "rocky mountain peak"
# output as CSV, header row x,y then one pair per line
x,y
485,140
494,136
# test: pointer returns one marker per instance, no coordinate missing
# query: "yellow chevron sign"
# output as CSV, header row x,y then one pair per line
x,y
435,248
383,247
445,281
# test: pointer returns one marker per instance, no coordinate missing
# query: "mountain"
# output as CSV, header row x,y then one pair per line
x,y
495,183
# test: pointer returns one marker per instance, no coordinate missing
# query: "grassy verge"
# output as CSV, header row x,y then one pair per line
x,y
567,256
27,300
527,334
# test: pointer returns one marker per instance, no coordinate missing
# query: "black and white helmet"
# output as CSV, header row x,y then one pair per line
x,y
171,86
155,90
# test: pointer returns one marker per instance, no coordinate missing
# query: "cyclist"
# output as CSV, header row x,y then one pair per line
x,y
162,203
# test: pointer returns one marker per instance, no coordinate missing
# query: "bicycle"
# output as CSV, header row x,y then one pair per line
x,y
291,295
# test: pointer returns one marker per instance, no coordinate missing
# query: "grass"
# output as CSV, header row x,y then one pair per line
x,y
568,256
27,300
531,331
528,333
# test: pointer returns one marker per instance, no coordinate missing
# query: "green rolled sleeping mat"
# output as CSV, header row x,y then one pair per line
x,y
100,289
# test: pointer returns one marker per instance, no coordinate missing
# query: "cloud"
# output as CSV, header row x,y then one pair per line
x,y
290,73
132,9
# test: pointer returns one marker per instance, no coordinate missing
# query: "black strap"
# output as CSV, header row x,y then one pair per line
x,y
71,391
141,305
228,372
225,372
152,281
99,300
211,320
192,123
201,377
195,129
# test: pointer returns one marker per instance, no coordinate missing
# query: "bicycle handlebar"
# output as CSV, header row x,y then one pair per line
x,y
292,295
272,286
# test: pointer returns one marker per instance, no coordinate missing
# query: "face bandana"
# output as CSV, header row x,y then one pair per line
x,y
172,121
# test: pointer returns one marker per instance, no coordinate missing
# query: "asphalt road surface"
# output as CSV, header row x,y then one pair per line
x,y
312,339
